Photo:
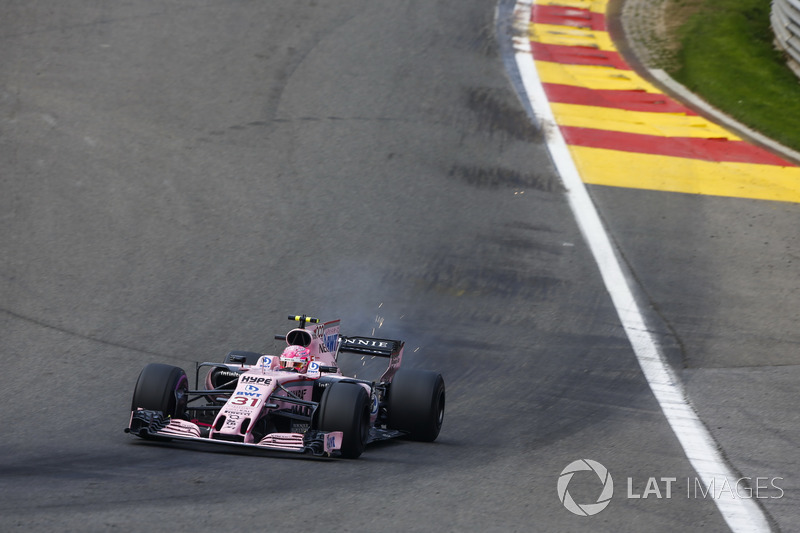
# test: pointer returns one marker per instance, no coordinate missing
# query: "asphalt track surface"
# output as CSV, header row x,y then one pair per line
x,y
178,176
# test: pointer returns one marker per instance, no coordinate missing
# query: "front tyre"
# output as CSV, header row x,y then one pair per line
x,y
161,388
345,407
416,403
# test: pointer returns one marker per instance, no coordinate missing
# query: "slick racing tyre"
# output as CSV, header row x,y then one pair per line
x,y
416,403
345,407
161,388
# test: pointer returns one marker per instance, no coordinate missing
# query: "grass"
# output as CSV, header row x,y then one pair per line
x,y
727,57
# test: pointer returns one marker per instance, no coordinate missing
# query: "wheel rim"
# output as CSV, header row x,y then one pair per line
x,y
440,409
180,397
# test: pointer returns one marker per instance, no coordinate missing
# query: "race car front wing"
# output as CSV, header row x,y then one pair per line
x,y
154,425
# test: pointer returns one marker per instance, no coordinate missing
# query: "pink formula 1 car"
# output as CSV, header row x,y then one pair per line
x,y
297,401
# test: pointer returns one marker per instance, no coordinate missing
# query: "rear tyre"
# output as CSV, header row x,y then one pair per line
x,y
416,403
345,407
161,388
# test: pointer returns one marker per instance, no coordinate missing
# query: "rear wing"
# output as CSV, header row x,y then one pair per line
x,y
370,346
376,348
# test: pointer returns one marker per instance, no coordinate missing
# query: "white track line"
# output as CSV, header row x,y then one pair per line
x,y
741,514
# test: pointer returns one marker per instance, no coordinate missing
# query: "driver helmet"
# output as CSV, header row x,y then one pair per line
x,y
296,358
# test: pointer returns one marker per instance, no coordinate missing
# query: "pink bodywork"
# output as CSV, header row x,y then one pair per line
x,y
261,385
260,381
